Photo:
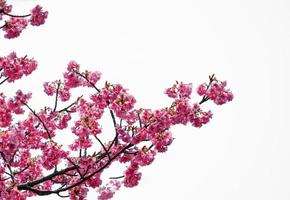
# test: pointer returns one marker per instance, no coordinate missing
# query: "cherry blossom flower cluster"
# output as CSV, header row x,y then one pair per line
x,y
12,106
71,169
108,191
13,68
34,161
13,24
215,91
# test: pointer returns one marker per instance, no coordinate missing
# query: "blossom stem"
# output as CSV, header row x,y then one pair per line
x,y
3,25
29,186
20,16
69,106
4,80
103,146
117,177
86,78
206,98
115,140
56,96
11,174
34,113
140,122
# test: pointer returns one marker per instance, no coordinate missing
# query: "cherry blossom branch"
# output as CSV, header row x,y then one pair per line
x,y
117,177
103,146
29,186
139,119
46,178
71,105
34,113
15,24
86,78
115,140
11,174
52,175
3,25
18,16
3,81
144,133
56,96
206,98
111,111
77,167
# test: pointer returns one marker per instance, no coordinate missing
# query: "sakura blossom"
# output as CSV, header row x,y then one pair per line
x,y
140,134
35,162
14,24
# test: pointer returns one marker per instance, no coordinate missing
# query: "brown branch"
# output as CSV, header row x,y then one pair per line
x,y
139,118
69,106
18,16
77,168
86,78
206,98
3,25
11,174
4,80
34,113
103,146
115,140
46,178
29,186
56,96
117,177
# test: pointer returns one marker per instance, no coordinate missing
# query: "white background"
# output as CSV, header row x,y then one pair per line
x,y
244,153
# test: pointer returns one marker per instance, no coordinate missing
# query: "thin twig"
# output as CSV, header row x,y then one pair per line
x,y
19,16
103,146
69,106
34,113
56,96
86,78
4,80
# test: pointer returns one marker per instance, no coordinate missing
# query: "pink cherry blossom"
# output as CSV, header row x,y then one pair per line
x,y
138,135
108,191
49,89
171,92
132,176
38,16
52,155
179,90
15,67
216,91
5,112
185,90
201,89
14,26
144,156
78,193
34,159
15,105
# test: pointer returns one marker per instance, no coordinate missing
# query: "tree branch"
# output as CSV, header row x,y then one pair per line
x,y
56,96
18,16
86,78
29,186
103,146
4,80
69,106
34,113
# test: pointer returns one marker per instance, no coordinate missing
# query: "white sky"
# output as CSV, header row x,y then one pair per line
x,y
244,153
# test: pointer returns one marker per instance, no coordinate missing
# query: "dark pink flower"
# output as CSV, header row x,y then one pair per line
x,y
14,26
38,16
